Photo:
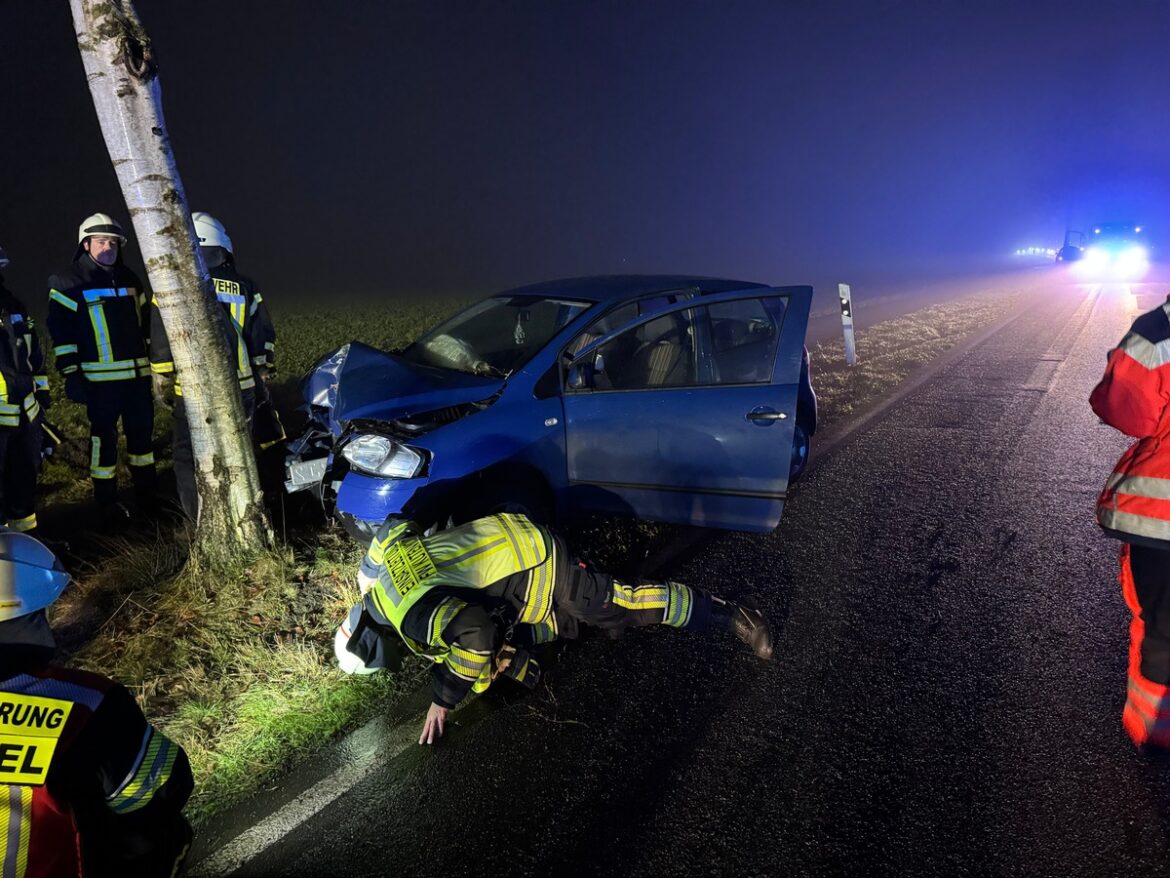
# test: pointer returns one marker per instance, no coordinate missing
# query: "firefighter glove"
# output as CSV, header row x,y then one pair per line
x,y
44,399
164,386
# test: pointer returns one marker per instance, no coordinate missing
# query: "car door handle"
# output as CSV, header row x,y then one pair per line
x,y
763,413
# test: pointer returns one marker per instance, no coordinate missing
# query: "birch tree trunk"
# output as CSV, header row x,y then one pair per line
x,y
123,80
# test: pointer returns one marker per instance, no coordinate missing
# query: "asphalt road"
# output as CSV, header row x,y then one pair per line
x,y
946,695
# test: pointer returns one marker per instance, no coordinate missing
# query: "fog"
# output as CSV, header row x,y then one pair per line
x,y
388,149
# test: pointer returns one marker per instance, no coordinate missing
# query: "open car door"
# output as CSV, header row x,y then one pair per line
x,y
686,414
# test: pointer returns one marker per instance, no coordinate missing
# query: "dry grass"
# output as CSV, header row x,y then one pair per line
x,y
889,352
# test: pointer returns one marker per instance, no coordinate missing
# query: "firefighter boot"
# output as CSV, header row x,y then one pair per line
x,y
751,627
746,623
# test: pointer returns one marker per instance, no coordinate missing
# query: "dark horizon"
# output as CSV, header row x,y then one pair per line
x,y
401,149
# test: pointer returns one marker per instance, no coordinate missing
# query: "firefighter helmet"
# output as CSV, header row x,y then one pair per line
x,y
100,224
210,231
346,660
31,577
3,258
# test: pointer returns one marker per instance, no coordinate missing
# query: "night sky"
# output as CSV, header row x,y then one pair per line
x,y
380,148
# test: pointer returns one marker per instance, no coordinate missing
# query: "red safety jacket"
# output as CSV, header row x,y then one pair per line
x,y
1134,397
88,787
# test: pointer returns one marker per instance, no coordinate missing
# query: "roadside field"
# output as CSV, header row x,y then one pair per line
x,y
246,683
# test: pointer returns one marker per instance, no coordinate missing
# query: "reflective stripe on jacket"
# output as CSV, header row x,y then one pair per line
x,y
22,364
246,327
1134,397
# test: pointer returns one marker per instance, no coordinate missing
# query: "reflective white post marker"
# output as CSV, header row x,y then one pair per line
x,y
847,323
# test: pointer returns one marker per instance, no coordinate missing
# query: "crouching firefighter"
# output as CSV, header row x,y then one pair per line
x,y
87,786
24,392
475,599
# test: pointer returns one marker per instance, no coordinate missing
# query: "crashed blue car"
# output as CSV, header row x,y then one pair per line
x,y
667,398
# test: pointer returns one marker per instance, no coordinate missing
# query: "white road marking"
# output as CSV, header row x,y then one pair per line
x,y
373,744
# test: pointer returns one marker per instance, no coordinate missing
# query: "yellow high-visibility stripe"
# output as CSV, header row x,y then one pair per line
x,y
141,459
23,524
101,333
62,299
538,598
152,772
678,610
162,368
15,821
643,597
465,663
60,349
441,617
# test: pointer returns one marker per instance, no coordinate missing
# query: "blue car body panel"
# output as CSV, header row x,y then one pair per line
x,y
679,454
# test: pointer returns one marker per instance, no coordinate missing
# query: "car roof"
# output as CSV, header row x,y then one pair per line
x,y
614,287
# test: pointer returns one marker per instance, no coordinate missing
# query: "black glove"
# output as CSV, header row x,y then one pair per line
x,y
75,387
44,399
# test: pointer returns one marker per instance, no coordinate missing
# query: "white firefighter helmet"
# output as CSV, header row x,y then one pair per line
x,y
100,224
210,231
3,258
31,577
346,660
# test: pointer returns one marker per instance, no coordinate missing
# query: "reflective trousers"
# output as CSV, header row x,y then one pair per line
x,y
131,402
184,457
589,597
1145,582
20,461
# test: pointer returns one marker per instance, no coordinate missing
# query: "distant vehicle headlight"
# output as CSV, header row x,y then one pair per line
x,y
381,456
1097,256
1133,255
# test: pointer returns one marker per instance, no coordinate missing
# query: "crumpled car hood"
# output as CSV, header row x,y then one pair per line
x,y
361,382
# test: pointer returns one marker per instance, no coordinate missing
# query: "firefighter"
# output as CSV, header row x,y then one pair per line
x,y
1134,507
98,322
90,787
476,598
250,336
24,392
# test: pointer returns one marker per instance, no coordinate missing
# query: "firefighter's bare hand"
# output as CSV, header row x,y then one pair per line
x,y
433,727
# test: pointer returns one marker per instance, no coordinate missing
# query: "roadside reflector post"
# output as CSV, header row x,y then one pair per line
x,y
847,323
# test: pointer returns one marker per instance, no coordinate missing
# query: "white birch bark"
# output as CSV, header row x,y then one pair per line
x,y
124,83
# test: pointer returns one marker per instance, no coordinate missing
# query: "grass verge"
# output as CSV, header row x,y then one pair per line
x,y
236,665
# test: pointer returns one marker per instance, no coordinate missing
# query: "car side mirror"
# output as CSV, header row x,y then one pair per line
x,y
581,374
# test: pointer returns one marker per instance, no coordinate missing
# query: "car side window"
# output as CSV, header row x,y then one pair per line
x,y
603,325
659,353
743,339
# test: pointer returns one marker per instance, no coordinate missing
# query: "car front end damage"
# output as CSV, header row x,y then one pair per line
x,y
363,454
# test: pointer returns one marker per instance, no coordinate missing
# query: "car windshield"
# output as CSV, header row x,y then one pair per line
x,y
496,336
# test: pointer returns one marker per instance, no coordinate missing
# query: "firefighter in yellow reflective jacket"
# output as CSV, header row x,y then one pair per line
x,y
476,598
87,785
98,321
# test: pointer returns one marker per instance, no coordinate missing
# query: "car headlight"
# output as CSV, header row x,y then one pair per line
x,y
1133,255
381,456
1096,256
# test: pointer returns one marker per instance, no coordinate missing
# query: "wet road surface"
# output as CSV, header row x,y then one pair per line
x,y
946,696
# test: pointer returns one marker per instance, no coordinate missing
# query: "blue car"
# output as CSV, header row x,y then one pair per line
x,y
674,399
